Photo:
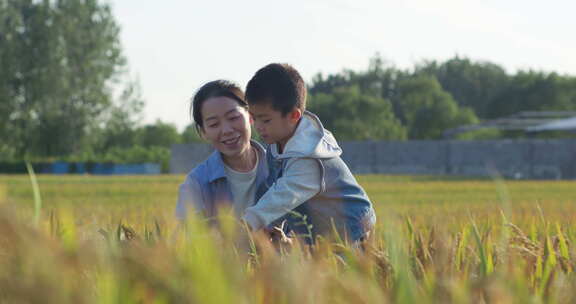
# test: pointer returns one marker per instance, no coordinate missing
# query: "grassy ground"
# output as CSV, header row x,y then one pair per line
x,y
115,240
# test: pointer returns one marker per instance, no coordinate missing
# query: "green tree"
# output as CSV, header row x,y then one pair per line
x,y
427,110
190,135
480,134
351,115
536,91
8,68
378,80
159,134
355,105
119,129
473,84
62,58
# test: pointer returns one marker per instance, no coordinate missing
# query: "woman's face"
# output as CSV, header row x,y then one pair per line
x,y
226,125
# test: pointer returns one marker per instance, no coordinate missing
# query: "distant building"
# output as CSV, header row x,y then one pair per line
x,y
568,124
528,122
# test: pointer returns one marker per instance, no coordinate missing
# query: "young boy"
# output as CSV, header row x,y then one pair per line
x,y
309,185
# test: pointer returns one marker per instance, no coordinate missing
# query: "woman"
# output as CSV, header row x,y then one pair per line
x,y
232,175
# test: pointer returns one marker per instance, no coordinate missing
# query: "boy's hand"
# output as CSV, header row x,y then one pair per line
x,y
276,234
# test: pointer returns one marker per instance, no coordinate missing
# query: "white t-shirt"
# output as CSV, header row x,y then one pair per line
x,y
243,187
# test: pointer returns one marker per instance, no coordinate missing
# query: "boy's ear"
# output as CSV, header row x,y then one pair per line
x,y
295,115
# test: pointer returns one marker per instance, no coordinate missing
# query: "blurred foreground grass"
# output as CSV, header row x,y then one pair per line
x,y
115,240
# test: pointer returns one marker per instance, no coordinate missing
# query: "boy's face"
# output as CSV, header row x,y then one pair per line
x,y
272,126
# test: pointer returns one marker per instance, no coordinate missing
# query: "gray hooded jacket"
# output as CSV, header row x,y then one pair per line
x,y
312,188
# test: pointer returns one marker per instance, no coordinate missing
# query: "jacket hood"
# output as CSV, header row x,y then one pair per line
x,y
310,140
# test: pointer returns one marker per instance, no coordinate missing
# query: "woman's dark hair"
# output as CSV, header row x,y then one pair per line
x,y
216,88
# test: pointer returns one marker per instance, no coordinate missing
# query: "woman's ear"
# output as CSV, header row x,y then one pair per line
x,y
200,131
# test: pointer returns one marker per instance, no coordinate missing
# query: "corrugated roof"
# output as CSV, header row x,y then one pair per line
x,y
561,124
523,121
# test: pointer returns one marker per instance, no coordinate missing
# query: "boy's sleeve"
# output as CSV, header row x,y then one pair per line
x,y
300,181
189,197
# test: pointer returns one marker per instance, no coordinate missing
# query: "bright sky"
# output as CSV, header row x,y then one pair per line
x,y
173,47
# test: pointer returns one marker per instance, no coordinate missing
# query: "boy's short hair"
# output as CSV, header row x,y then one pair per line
x,y
278,84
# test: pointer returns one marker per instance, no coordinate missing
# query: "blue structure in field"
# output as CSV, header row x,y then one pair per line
x,y
100,168
59,168
146,168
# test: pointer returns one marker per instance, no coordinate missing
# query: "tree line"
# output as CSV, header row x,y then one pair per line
x,y
388,103
66,92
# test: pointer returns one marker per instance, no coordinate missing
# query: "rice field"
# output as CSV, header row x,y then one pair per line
x,y
92,239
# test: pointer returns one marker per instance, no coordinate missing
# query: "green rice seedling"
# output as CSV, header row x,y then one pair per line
x,y
36,190
564,252
404,283
202,261
461,246
486,266
533,231
550,262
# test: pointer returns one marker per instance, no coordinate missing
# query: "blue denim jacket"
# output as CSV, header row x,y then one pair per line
x,y
206,188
